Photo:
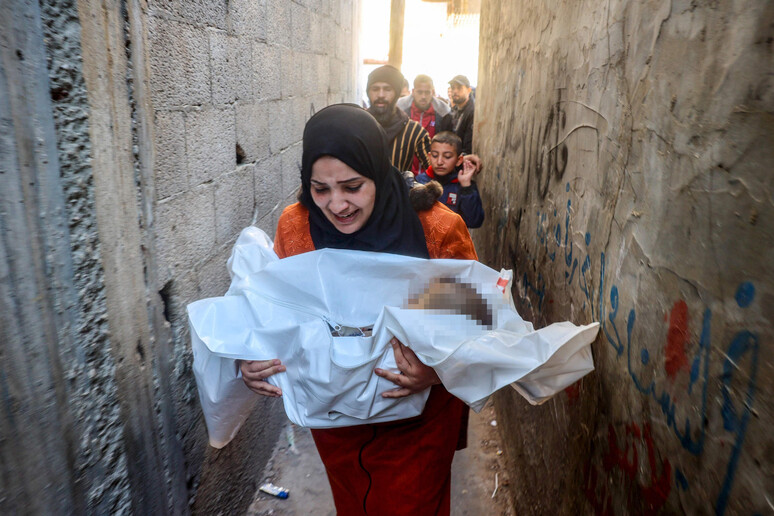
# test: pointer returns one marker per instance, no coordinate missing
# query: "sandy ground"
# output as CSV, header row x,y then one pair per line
x,y
296,466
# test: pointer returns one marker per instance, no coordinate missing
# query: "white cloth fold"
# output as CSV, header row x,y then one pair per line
x,y
287,309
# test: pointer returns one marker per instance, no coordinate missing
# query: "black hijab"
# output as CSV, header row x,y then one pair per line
x,y
350,134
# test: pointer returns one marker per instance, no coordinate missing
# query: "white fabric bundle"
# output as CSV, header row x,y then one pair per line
x,y
287,308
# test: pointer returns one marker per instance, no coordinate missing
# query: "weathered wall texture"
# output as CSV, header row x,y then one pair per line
x,y
46,273
138,138
629,152
231,85
101,461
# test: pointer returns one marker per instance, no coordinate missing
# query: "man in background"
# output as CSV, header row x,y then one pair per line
x,y
406,139
423,107
461,112
404,90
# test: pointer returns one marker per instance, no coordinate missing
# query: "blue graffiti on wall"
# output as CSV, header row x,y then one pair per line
x,y
743,344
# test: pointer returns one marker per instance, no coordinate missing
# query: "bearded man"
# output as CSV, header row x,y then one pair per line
x,y
405,137
422,106
462,111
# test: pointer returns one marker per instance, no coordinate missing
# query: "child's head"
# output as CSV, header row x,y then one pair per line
x,y
445,153
453,296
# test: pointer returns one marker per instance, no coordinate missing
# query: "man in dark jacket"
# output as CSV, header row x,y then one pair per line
x,y
461,120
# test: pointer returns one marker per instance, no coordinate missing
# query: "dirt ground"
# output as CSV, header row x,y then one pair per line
x,y
296,466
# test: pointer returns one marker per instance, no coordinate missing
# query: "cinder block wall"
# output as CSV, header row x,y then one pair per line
x,y
231,86
138,138
628,150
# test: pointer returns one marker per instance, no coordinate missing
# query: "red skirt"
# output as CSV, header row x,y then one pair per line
x,y
401,468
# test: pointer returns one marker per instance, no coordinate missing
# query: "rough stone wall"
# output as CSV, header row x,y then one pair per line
x,y
101,464
138,138
62,448
629,150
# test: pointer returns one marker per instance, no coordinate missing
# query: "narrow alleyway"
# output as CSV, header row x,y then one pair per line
x,y
627,154
296,466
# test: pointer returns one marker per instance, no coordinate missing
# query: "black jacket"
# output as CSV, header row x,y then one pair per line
x,y
464,126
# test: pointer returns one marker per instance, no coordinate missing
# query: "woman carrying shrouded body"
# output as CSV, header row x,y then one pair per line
x,y
352,198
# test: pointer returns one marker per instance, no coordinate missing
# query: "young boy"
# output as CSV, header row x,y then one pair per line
x,y
455,176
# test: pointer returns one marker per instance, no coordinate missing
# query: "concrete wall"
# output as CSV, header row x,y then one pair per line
x,y
138,139
230,86
52,316
628,150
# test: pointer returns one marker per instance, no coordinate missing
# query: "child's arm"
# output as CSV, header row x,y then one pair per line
x,y
465,176
468,200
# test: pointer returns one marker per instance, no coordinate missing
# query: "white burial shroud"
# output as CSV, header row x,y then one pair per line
x,y
289,309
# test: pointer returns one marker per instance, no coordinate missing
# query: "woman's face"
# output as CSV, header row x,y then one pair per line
x,y
344,196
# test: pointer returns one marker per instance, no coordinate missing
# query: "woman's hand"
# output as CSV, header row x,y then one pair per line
x,y
414,375
255,372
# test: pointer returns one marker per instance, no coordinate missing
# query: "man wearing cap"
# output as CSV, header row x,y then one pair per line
x,y
405,137
461,120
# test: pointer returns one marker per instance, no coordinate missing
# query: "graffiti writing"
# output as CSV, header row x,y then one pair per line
x,y
552,155
735,420
681,394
